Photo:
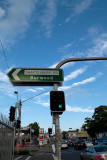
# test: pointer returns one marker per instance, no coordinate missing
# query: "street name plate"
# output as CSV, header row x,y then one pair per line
x,y
35,76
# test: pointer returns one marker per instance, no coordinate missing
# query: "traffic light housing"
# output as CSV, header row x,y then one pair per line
x,y
12,113
57,101
49,131
18,124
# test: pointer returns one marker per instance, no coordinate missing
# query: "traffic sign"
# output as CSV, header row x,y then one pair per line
x,y
35,76
41,130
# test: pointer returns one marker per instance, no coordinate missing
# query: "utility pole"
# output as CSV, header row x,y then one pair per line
x,y
19,118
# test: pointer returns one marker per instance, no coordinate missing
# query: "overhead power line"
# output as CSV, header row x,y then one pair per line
x,y
4,53
35,96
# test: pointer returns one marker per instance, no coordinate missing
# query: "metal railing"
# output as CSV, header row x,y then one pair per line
x,y
6,138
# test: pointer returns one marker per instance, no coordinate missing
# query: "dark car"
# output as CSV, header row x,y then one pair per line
x,y
70,143
79,145
101,141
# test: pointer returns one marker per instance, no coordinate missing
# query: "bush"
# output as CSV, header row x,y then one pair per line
x,y
21,152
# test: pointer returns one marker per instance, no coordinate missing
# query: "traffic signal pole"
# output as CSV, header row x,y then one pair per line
x,y
56,115
79,59
57,132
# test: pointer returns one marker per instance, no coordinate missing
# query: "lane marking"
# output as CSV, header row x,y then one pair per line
x,y
28,158
18,158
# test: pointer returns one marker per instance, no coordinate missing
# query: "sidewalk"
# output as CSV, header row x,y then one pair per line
x,y
44,150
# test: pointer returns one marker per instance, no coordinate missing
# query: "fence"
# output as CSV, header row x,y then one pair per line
x,y
6,138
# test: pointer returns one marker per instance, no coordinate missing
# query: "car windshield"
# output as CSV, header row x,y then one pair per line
x,y
100,149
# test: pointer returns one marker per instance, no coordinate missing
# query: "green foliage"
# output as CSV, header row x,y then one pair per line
x,y
100,117
98,122
21,152
36,127
64,134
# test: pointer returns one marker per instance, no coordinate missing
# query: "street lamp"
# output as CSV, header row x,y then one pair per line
x,y
70,128
18,106
16,92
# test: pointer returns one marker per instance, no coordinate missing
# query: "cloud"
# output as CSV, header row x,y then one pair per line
x,y
2,12
78,109
53,65
79,8
31,90
84,81
24,109
3,77
6,89
99,46
5,86
43,103
47,17
65,47
65,87
34,90
75,74
15,18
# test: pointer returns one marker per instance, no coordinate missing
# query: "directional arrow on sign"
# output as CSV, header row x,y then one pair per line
x,y
14,74
35,76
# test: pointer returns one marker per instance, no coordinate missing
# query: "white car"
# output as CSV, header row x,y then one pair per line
x,y
64,145
88,143
96,152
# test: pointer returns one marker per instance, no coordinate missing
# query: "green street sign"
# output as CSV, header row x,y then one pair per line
x,y
35,76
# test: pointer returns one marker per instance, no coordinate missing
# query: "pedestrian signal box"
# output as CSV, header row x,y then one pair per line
x,y
57,101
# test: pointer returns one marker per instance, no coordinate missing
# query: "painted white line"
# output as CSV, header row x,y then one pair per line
x,y
18,158
28,158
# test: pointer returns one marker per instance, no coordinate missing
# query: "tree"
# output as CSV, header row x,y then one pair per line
x,y
100,117
64,134
35,127
90,127
98,122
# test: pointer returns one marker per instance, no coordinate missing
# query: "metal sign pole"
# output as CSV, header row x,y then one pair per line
x,y
57,134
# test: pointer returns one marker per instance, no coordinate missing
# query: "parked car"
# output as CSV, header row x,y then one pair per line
x,y
79,145
88,143
101,141
96,142
64,145
70,143
97,152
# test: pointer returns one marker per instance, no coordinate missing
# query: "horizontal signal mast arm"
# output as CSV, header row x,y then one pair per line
x,y
79,59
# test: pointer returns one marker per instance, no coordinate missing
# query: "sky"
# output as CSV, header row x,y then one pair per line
x,y
40,34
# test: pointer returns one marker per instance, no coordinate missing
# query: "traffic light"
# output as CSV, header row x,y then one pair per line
x,y
12,113
49,131
18,124
57,101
